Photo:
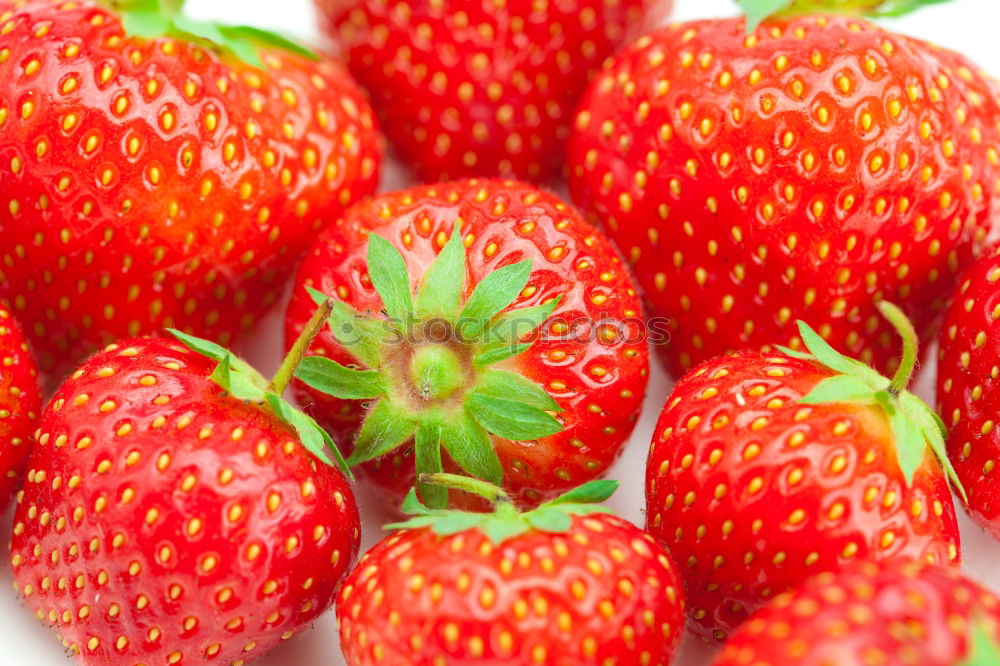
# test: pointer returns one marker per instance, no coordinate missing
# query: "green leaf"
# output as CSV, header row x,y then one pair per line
x,y
512,386
549,520
510,419
427,450
387,270
385,428
334,379
443,284
412,504
267,38
983,648
758,10
146,23
793,353
498,529
313,438
203,347
497,354
455,522
840,388
240,385
911,446
934,433
471,447
901,7
360,335
494,292
589,493
198,29
824,353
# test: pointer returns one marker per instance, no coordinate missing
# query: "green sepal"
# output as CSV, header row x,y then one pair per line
x,y
984,650
555,516
471,447
821,350
237,382
387,271
427,455
512,386
314,438
386,428
841,388
901,7
146,23
248,34
334,379
794,353
494,293
934,432
510,419
442,286
758,10
497,354
360,335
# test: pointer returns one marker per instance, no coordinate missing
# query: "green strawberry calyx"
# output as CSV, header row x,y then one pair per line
x,y
165,18
243,382
437,367
757,11
915,425
505,522
983,648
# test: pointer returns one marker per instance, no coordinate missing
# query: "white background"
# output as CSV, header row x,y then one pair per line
x,y
966,25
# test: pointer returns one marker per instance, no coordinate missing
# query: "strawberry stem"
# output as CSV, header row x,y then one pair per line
x,y
905,329
493,494
298,351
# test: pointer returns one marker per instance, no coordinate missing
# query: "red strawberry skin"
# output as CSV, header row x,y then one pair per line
x,y
752,493
602,593
968,400
802,172
162,522
20,405
599,381
150,184
871,613
481,88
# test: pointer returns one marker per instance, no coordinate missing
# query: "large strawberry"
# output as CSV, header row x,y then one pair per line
x,y
803,171
564,585
172,513
481,88
160,181
968,395
20,404
768,468
516,346
897,614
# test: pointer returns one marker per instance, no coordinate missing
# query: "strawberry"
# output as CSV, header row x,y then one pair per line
x,y
516,346
566,585
768,468
968,369
172,513
892,614
161,181
20,404
804,171
481,88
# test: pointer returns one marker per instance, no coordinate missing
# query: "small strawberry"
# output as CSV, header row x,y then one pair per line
x,y
766,469
481,88
172,513
151,181
895,614
968,399
20,404
564,585
804,171
516,346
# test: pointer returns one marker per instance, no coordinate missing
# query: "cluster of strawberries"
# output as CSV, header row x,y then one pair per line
x,y
794,201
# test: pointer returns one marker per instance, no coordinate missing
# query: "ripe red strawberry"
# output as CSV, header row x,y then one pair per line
x,y
766,469
166,521
481,88
897,614
161,182
564,585
20,404
804,171
968,370
547,353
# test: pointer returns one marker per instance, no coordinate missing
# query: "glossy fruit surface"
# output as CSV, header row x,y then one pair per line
x,y
155,183
585,350
804,171
20,405
753,487
892,614
163,521
481,88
